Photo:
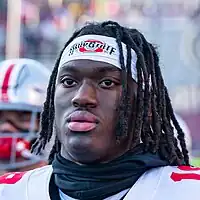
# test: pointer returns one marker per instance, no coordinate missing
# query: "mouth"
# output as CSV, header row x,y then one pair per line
x,y
82,121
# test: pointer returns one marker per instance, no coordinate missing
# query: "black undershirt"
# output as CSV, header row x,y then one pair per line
x,y
54,191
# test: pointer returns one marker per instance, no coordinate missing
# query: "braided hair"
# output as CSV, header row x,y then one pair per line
x,y
157,133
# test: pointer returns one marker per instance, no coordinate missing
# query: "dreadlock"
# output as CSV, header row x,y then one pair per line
x,y
156,132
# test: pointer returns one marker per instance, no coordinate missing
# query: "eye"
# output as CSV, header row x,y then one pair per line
x,y
68,82
107,84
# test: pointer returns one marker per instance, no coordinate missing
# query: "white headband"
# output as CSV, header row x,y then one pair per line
x,y
98,48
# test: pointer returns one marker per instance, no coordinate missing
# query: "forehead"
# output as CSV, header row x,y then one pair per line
x,y
89,66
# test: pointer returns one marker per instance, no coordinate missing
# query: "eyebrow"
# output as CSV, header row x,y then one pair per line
x,y
104,69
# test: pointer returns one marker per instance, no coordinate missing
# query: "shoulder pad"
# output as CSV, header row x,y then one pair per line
x,y
11,178
185,173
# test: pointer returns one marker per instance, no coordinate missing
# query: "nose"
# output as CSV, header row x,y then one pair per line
x,y
85,96
6,127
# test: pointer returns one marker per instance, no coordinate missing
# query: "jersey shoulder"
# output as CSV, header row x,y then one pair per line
x,y
181,182
14,185
183,174
169,182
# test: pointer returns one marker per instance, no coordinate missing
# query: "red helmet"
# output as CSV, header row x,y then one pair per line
x,y
23,85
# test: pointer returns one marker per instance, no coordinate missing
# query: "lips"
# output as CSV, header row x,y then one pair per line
x,y
82,121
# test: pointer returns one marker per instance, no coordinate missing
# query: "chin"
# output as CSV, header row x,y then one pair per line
x,y
79,144
81,150
84,157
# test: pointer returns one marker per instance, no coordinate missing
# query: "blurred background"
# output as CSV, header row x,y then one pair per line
x,y
38,29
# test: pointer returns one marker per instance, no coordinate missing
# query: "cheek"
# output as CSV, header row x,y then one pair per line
x,y
109,104
110,99
62,101
104,140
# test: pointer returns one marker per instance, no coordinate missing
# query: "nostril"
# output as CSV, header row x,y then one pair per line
x,y
75,104
85,105
84,102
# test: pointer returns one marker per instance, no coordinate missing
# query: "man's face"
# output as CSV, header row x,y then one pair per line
x,y
86,99
12,123
16,121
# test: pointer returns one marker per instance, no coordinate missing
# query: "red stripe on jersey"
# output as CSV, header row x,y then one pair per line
x,y
186,176
11,178
4,89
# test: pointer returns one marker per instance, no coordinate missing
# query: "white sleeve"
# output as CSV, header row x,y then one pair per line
x,y
12,186
1,191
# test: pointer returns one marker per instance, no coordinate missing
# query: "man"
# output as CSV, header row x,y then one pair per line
x,y
110,111
22,93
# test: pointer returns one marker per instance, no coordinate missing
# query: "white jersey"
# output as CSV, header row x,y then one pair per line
x,y
161,183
